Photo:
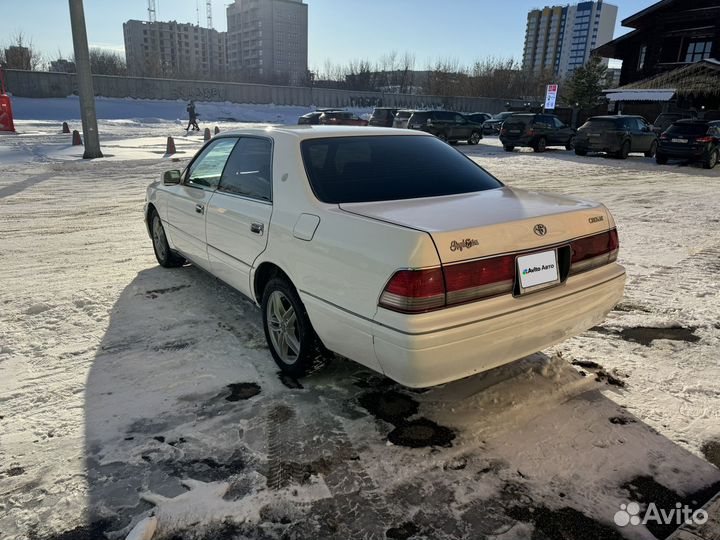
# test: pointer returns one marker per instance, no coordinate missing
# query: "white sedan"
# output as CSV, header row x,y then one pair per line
x,y
388,247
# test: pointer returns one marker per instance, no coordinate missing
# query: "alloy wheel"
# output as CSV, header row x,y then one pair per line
x,y
159,238
283,325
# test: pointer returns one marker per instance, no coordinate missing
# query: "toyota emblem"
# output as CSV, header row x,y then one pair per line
x,y
540,229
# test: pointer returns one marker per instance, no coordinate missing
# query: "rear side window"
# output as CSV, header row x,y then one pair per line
x,y
420,118
403,114
249,170
385,168
690,129
380,114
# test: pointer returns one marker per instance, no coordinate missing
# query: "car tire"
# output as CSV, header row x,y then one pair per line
x,y
660,159
164,255
540,145
508,148
442,137
652,151
474,138
624,151
712,159
292,341
570,144
579,152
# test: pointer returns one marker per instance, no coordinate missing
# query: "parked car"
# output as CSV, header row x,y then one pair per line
x,y
478,117
446,125
537,131
616,135
492,125
342,118
694,140
665,120
402,117
383,117
387,247
313,118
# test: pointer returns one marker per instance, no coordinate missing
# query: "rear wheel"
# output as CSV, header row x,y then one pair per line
x,y
712,159
653,149
579,152
570,144
164,255
442,137
624,150
540,145
660,159
293,343
474,138
508,147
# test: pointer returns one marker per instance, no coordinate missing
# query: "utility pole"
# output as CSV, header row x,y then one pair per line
x,y
84,80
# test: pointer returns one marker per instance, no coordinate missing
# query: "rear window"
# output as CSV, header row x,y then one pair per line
x,y
386,168
403,114
380,113
664,120
518,121
600,125
693,130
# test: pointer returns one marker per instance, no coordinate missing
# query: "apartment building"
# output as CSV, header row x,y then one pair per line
x,y
267,41
559,39
174,50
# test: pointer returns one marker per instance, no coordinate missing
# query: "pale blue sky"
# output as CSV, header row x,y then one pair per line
x,y
340,30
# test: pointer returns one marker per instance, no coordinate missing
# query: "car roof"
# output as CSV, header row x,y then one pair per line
x,y
693,121
305,131
614,116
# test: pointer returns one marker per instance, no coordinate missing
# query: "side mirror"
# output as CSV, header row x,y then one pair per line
x,y
171,178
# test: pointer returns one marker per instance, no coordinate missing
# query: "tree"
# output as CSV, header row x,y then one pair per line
x,y
20,54
585,85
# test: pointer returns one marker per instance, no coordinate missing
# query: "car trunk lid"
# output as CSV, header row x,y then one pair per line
x,y
497,221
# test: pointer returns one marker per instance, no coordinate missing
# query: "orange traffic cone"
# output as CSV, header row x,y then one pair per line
x,y
170,147
66,128
207,134
217,130
77,141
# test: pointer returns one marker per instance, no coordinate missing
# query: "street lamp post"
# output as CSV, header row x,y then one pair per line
x,y
84,81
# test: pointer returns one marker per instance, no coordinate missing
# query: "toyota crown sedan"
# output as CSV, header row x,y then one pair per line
x,y
387,247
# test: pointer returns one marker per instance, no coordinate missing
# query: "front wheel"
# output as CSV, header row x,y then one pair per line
x,y
293,343
570,144
660,159
579,152
164,255
541,145
712,160
653,149
475,137
442,137
624,150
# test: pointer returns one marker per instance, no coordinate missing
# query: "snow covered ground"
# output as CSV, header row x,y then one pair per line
x,y
130,390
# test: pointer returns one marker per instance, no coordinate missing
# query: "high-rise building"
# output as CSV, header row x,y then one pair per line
x,y
559,39
267,41
174,50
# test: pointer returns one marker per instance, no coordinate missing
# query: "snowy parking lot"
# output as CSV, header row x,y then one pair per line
x,y
129,390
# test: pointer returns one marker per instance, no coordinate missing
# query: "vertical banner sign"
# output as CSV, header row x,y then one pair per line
x,y
551,96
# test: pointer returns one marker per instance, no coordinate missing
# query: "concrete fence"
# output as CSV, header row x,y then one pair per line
x,y
40,84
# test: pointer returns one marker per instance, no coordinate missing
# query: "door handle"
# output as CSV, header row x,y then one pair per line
x,y
200,209
257,228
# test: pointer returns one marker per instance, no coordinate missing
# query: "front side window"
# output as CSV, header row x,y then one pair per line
x,y
249,170
698,50
206,170
389,167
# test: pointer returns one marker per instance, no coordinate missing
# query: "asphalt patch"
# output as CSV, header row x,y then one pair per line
x,y
587,364
289,382
93,531
15,471
609,378
621,420
214,531
173,346
205,469
421,433
157,292
563,524
402,532
711,451
241,391
646,490
390,406
645,335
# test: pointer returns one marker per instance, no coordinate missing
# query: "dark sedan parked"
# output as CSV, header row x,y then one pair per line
x,y
313,118
383,116
616,135
492,125
538,131
446,125
694,140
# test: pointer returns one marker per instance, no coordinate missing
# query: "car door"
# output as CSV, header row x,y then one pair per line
x,y
645,135
561,133
461,128
187,202
238,216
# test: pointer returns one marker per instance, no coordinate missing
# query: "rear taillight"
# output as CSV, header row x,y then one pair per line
x,y
664,136
503,131
530,132
414,291
418,291
594,251
465,282
704,139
